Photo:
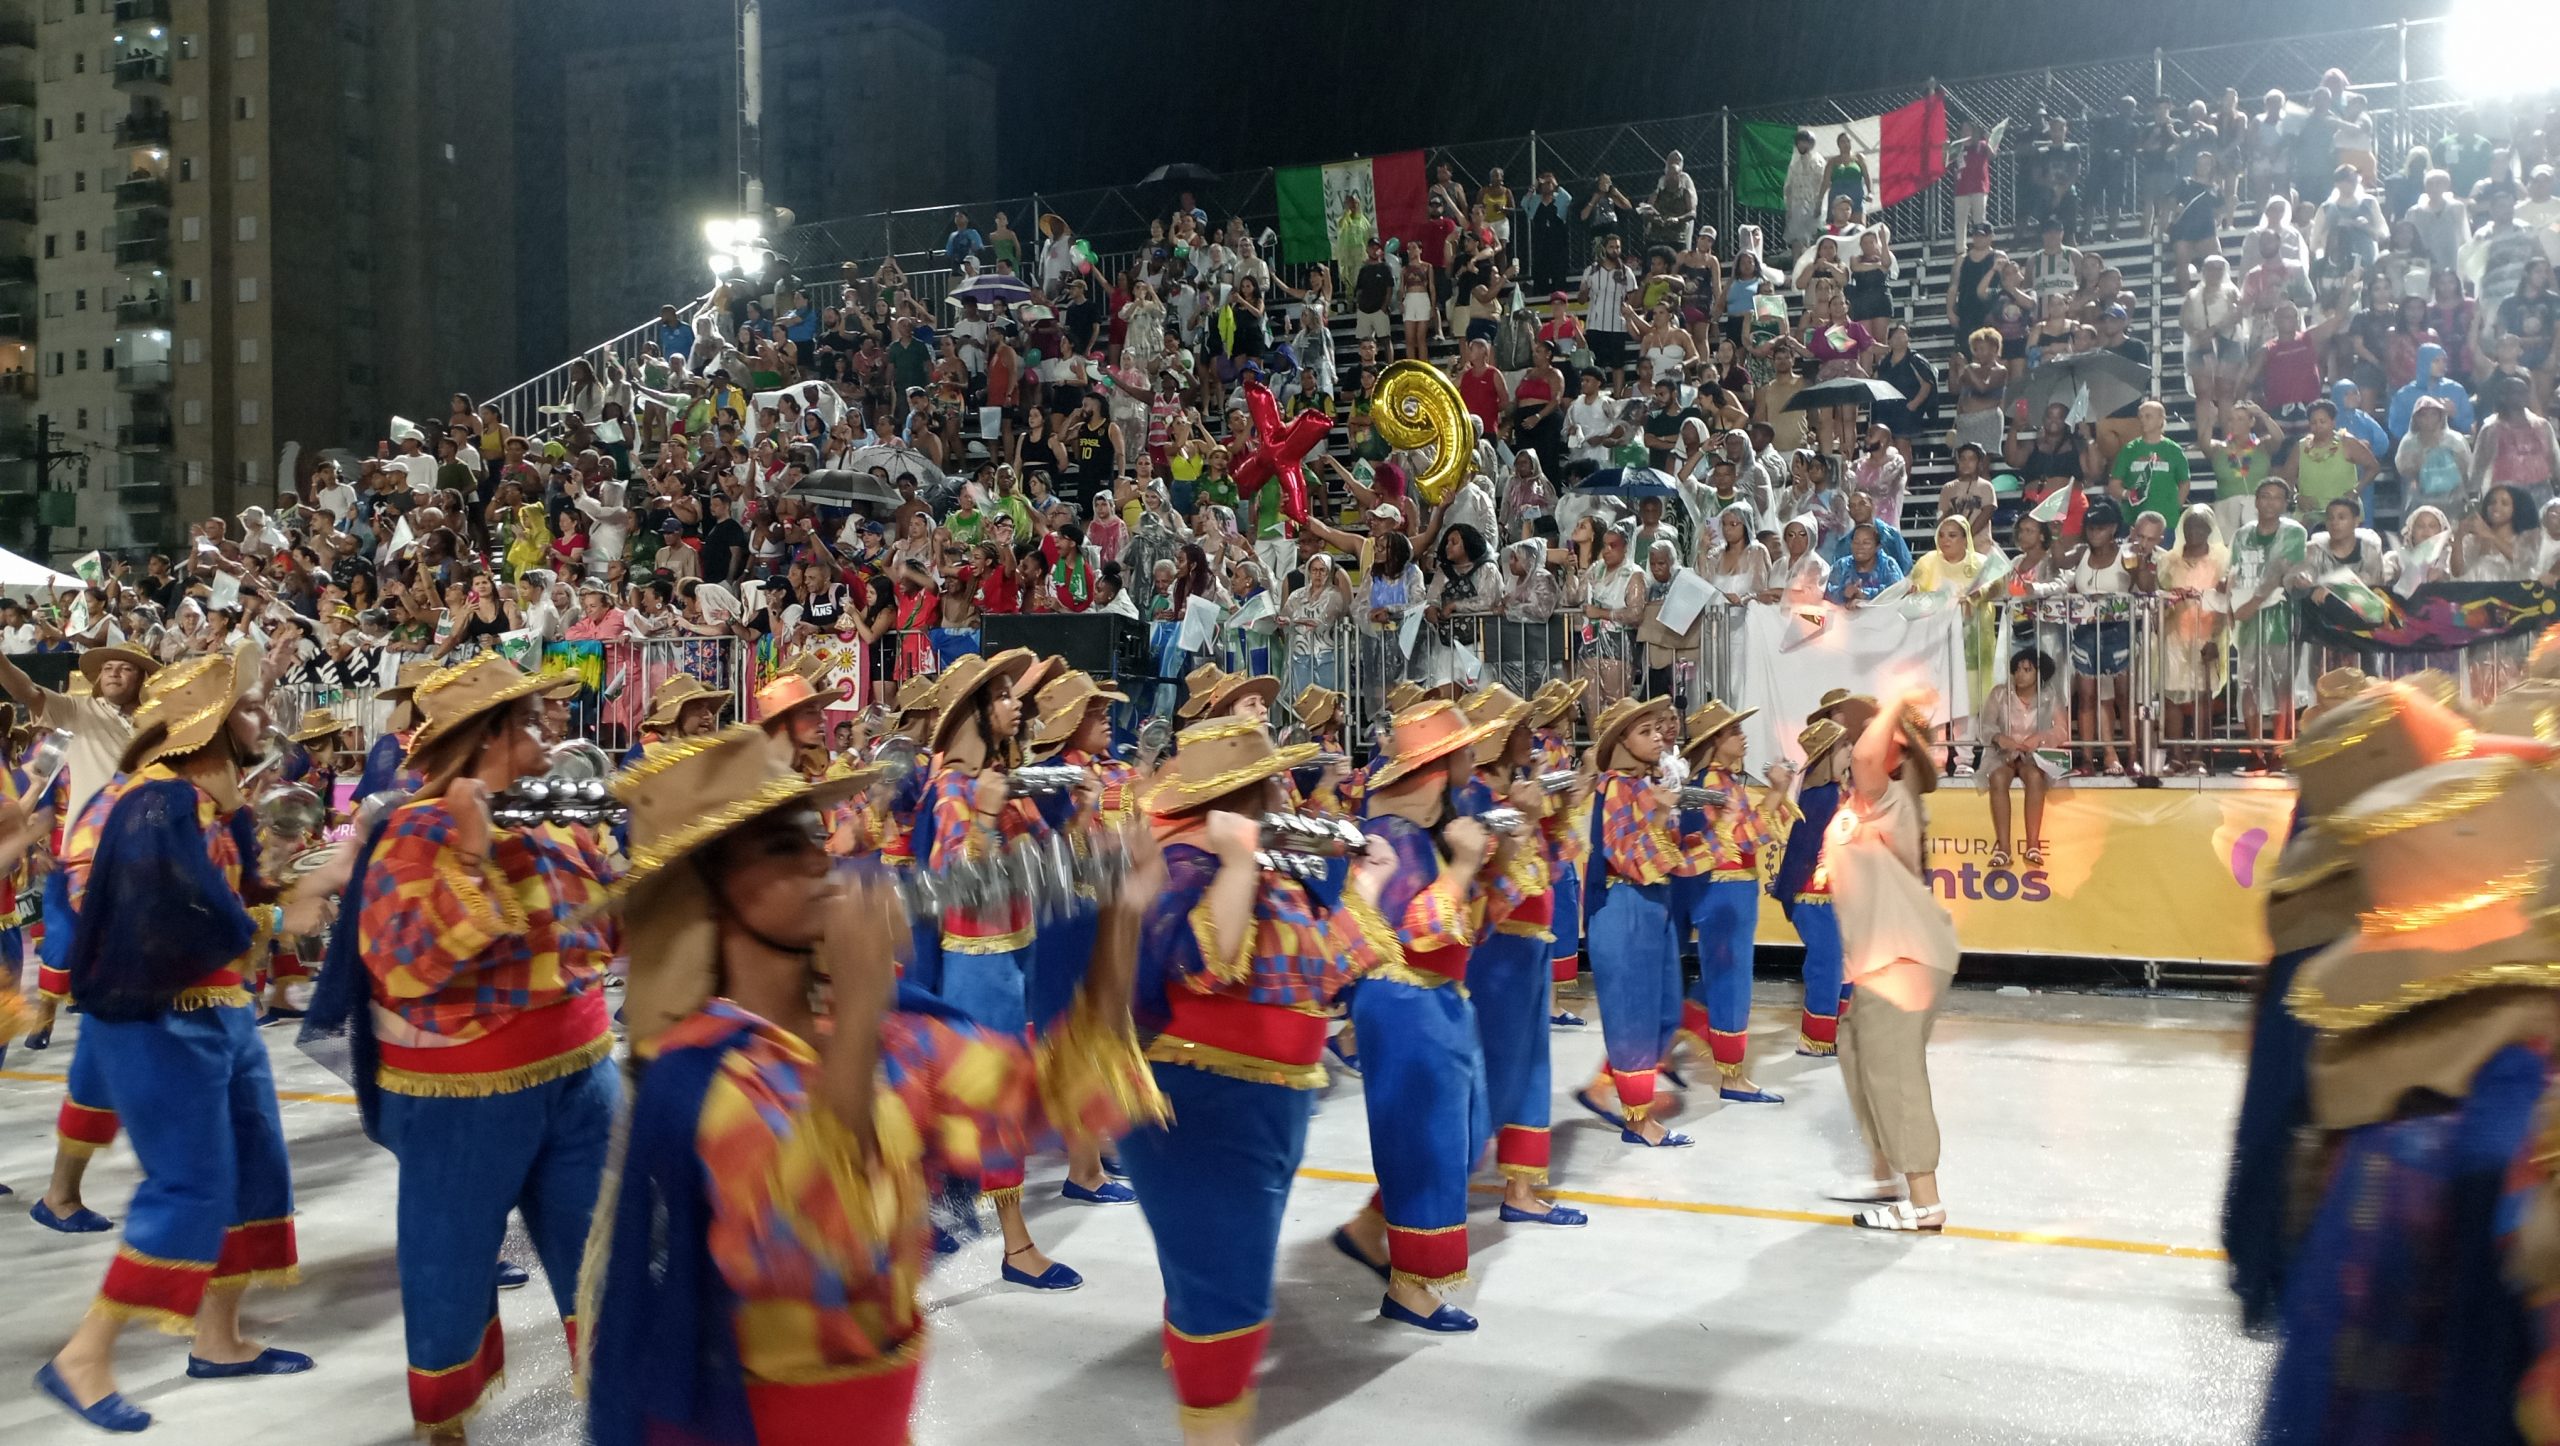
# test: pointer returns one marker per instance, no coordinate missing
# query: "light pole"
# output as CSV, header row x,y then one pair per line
x,y
750,133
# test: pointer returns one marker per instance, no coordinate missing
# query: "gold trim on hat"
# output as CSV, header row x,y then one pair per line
x,y
2447,801
2410,918
2307,1003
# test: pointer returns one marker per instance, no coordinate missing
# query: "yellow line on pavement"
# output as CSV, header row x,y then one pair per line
x,y
1579,1197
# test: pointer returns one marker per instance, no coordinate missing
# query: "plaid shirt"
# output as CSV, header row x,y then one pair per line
x,y
1568,828
952,805
1730,840
1119,801
1636,841
80,852
456,950
1298,958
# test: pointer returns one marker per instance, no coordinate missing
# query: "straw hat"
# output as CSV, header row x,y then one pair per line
x,y
1919,755
1317,707
1555,700
2544,660
2530,709
1199,686
1831,698
1500,711
1236,687
412,673
921,698
777,700
1403,696
1706,723
1216,758
683,796
2455,861
1062,707
192,700
317,724
457,695
2334,687
1817,740
2387,732
92,659
1426,733
962,684
1619,717
677,691
1044,670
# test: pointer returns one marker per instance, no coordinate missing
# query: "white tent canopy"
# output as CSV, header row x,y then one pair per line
x,y
19,574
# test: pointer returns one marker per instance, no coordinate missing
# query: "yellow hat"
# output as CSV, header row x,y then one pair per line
x,y
191,701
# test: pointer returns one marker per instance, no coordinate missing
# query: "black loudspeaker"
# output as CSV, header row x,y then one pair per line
x,y
1105,645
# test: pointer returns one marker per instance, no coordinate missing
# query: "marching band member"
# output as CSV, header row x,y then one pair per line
x,y
757,1271
1241,695
1726,845
1802,885
1511,972
1327,787
1421,1066
311,761
1237,971
175,1036
1635,955
1199,686
101,724
494,1087
971,813
792,713
685,707
386,763
1568,835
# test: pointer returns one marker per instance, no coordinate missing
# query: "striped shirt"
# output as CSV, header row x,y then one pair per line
x,y
1604,293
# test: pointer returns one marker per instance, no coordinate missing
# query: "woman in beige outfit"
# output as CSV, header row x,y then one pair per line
x,y
1899,948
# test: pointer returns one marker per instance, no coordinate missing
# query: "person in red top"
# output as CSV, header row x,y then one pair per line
x,y
2285,374
995,587
1973,180
1480,386
496,1088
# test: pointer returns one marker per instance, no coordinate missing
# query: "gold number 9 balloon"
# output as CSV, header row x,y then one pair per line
x,y
1416,406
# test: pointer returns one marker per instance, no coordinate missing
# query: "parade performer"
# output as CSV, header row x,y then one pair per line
x,y
487,1072
2408,1310
1802,885
792,712
1241,695
172,909
1898,948
1422,1069
1727,845
1568,833
685,707
1199,686
1511,973
101,724
311,760
1237,970
1635,956
970,812
386,763
757,1267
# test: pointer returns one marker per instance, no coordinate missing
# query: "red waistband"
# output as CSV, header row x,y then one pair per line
x,y
1239,1026
875,1406
527,1039
1448,961
900,849
219,979
1538,909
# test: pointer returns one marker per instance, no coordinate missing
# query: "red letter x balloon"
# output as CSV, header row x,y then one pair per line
x,y
1279,452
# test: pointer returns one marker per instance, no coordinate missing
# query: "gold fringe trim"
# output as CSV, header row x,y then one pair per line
x,y
1004,943
284,1279
1227,966
1534,1174
1213,1337
1375,931
2450,801
2412,917
1517,930
2324,745
1005,1195
160,1318
1433,1283
1091,1056
2307,1003
1402,973
420,1085
1811,1045
497,1382
1165,1049
220,996
1176,793
1239,1409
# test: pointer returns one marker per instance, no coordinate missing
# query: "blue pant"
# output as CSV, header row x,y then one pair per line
x,y
464,1163
1726,913
1060,954
1422,1075
211,1145
1819,928
989,988
1566,888
1509,981
1214,1184
1635,975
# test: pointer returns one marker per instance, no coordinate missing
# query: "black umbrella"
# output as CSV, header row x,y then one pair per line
x,y
2114,382
1844,392
1180,173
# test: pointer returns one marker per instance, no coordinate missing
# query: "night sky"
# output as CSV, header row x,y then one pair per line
x,y
1096,92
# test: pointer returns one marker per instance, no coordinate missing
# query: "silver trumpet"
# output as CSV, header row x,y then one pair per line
x,y
1560,780
1330,760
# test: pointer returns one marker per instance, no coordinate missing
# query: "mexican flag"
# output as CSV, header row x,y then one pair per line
x,y
1906,149
1390,189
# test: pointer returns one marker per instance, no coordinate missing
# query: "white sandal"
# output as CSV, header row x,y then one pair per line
x,y
1903,1216
1865,1192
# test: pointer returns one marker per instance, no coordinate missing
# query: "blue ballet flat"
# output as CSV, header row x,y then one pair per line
x,y
5,1191
1678,1080
1672,1140
1584,1099
1109,1192
83,1221
1566,1019
1112,1167
512,1276
1555,1215
1056,1277
1350,1062
280,1014
43,1039
269,1362
1343,1242
110,1412
1447,1320
1751,1097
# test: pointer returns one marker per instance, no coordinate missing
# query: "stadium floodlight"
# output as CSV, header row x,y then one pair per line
x,y
722,264
721,232
2499,48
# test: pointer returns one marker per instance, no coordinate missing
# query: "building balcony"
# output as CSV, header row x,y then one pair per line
x,y
142,193
143,72
17,386
151,248
17,207
143,128
148,376
129,12
144,436
17,150
17,324
17,271
17,442
142,311
17,32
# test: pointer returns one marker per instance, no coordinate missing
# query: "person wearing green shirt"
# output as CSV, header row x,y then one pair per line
x,y
2151,470
910,361
2264,556
2327,464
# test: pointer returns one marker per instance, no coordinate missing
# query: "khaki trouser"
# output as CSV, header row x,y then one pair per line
x,y
1884,1062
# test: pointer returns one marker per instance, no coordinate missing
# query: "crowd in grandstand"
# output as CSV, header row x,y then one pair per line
x,y
2362,396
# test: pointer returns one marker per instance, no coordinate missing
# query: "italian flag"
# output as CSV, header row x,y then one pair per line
x,y
1390,189
1906,149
